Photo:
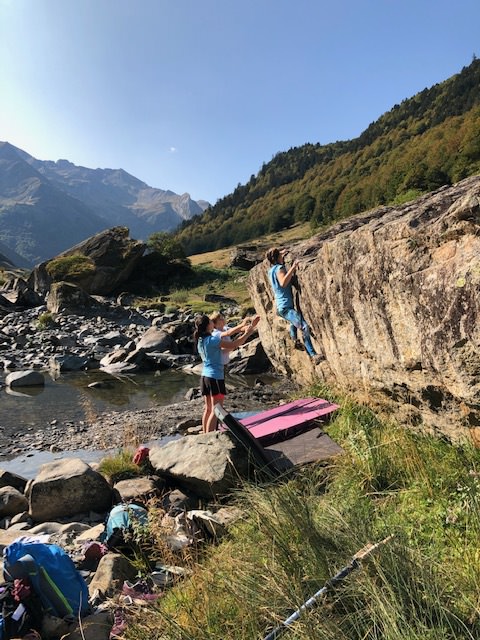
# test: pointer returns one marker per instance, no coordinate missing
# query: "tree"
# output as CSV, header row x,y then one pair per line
x,y
167,248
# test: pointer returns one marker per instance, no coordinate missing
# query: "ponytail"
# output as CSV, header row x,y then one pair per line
x,y
201,325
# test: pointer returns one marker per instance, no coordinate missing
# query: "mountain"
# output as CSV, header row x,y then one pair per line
x,y
428,141
47,207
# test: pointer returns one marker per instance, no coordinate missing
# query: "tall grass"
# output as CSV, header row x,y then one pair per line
x,y
301,530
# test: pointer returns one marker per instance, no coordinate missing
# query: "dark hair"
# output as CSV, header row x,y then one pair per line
x,y
272,255
201,324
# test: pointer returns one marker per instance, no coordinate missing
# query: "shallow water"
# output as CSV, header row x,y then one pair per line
x,y
69,397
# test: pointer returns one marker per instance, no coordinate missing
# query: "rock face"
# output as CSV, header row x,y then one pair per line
x,y
392,299
114,255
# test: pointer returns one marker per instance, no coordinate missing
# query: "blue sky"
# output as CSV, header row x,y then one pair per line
x,y
194,95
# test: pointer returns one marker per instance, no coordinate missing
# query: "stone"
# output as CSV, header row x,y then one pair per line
x,y
12,502
94,627
28,378
392,300
208,464
113,569
250,358
10,479
66,487
135,488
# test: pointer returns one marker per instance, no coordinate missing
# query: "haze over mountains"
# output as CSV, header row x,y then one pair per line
x,y
47,207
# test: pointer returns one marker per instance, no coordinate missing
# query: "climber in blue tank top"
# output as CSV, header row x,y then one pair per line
x,y
281,281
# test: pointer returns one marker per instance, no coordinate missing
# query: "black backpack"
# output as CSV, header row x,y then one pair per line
x,y
20,611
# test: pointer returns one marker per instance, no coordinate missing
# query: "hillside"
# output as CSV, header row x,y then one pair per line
x,y
426,142
47,207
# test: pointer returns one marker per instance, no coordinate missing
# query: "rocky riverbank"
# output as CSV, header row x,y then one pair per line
x,y
115,429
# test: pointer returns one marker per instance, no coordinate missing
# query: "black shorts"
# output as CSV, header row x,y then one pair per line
x,y
212,387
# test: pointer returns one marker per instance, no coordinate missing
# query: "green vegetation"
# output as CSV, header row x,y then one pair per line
x,y
299,531
46,320
424,143
119,466
190,291
70,268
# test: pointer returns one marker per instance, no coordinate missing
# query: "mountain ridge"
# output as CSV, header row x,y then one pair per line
x,y
34,193
429,140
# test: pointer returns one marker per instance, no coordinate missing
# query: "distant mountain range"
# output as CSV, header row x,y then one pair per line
x,y
47,207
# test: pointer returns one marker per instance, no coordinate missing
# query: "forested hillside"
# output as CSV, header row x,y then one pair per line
x,y
427,141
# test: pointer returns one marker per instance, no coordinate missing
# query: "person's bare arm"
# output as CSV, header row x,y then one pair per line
x,y
233,330
284,277
234,344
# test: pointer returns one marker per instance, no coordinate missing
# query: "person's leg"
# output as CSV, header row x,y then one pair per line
x,y
212,421
296,320
207,412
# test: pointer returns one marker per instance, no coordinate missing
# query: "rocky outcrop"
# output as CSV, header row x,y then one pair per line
x,y
114,255
392,298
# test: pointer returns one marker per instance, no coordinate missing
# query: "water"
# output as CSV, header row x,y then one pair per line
x,y
69,398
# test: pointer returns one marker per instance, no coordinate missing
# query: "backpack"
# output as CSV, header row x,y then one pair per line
x,y
54,578
121,523
20,609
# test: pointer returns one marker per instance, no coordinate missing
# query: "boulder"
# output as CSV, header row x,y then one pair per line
x,y
69,298
245,258
135,488
113,569
67,487
10,479
12,502
19,293
155,339
95,627
392,300
249,359
29,378
208,464
114,255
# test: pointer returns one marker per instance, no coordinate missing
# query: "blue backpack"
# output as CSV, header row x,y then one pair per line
x,y
121,523
52,574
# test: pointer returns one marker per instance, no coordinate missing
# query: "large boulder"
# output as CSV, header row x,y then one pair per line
x,y
67,487
69,298
392,299
208,464
250,358
114,255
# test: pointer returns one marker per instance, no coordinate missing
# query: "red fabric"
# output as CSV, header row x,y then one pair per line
x,y
141,455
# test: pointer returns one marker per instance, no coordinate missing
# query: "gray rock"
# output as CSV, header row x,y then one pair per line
x,y
10,479
29,378
12,502
113,569
392,300
135,488
208,464
65,488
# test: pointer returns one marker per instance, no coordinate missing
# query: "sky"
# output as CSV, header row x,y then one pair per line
x,y
195,95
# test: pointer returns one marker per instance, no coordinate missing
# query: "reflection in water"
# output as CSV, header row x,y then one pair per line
x,y
28,392
69,397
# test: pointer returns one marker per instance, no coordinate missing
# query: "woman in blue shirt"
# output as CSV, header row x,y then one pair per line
x,y
212,383
281,281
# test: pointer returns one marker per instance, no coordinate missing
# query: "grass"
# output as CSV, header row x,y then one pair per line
x,y
299,531
119,466
221,258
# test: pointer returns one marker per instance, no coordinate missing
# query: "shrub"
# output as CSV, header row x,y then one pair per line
x,y
45,320
70,268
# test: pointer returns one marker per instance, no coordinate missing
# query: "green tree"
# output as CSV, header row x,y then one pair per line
x,y
167,247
